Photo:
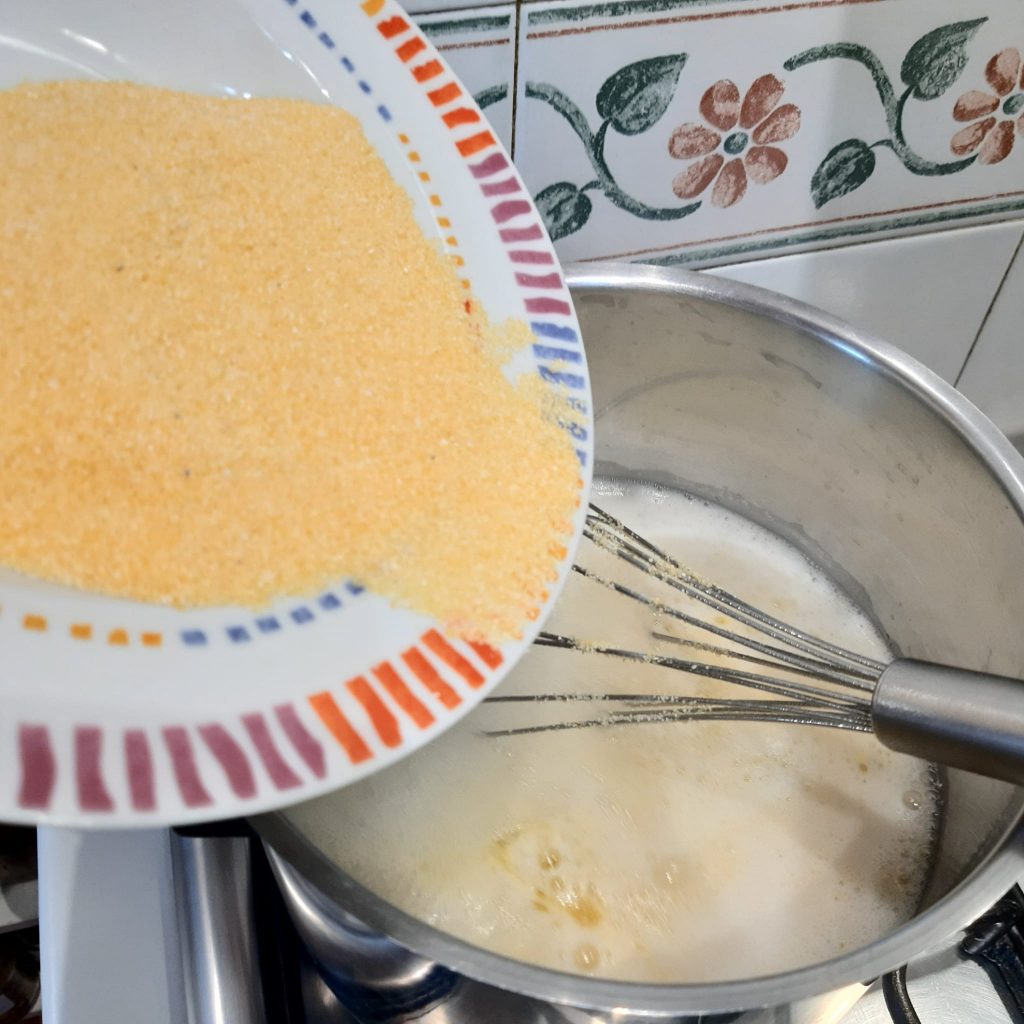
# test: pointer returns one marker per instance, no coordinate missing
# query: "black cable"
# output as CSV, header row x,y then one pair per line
x,y
897,998
996,941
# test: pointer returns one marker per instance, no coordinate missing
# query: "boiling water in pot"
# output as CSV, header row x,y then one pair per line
x,y
661,853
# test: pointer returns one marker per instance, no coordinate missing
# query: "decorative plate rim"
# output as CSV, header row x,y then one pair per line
x,y
65,767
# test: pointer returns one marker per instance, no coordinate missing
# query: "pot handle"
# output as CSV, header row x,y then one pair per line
x,y
963,719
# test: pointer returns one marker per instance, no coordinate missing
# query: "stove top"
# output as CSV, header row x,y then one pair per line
x,y
944,988
120,943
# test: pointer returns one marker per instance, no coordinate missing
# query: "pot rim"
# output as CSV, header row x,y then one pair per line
x,y
989,880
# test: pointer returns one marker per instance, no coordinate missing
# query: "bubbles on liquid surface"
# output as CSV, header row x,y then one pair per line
x,y
658,853
912,800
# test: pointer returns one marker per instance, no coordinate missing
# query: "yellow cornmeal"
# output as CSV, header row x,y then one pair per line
x,y
232,367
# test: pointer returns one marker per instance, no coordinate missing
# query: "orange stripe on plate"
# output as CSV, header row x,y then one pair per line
x,y
402,695
410,48
372,6
81,631
152,639
445,94
393,26
36,622
383,721
435,200
487,654
429,677
118,637
443,222
467,147
461,115
339,727
437,644
427,71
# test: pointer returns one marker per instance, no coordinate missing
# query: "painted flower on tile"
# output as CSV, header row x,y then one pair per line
x,y
736,142
994,115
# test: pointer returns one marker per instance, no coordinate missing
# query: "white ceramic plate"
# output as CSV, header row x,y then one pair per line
x,y
117,713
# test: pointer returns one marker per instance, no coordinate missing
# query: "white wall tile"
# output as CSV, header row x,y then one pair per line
x,y
927,294
480,46
994,375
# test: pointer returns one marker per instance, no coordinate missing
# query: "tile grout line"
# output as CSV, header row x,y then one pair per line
x,y
615,21
840,244
769,242
1018,249
515,78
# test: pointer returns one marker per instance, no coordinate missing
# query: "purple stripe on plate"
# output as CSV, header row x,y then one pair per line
x,y
138,766
502,188
521,234
548,306
179,746
277,768
302,740
491,165
38,767
232,759
530,256
539,280
509,209
92,791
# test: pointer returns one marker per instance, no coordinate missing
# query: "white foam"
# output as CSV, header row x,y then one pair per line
x,y
664,853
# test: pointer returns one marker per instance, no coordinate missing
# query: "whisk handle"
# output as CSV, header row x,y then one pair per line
x,y
969,720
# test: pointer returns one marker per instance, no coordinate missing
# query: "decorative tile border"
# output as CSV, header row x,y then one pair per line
x,y
676,131
480,46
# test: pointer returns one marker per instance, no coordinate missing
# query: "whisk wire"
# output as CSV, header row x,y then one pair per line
x,y
608,533
797,666
787,650
839,674
689,709
751,680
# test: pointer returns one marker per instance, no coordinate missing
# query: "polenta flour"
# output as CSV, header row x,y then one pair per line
x,y
233,368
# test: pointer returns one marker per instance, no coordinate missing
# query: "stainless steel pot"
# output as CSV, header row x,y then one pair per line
x,y
879,471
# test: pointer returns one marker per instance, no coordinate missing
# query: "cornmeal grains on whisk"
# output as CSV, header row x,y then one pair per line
x,y
232,367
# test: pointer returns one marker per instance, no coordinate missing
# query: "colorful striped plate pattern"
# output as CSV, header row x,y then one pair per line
x,y
124,714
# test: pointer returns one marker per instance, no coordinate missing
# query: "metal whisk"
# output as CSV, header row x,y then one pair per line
x,y
957,717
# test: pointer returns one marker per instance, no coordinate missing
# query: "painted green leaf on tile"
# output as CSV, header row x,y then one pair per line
x,y
488,97
564,207
929,68
936,60
845,168
636,96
